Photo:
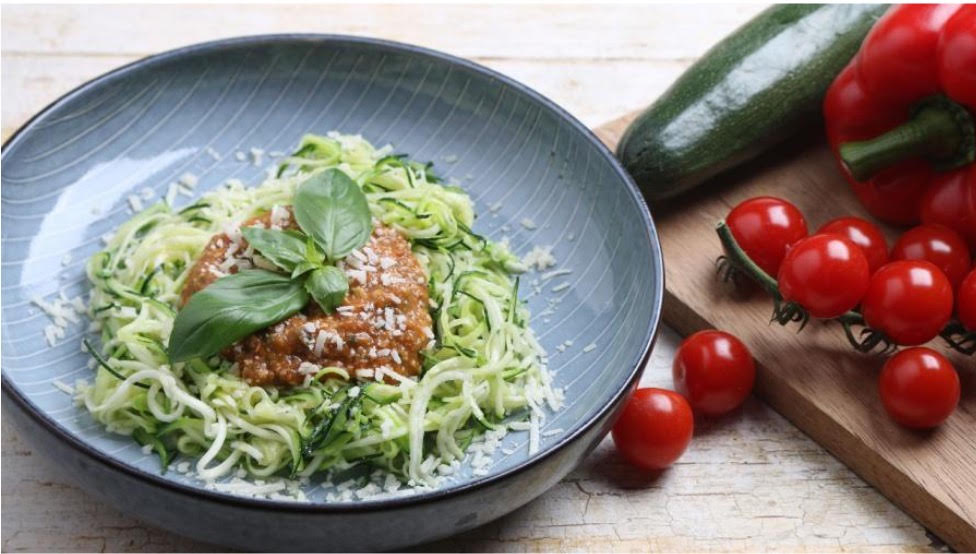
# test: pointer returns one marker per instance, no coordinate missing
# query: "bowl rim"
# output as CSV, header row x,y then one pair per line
x,y
11,392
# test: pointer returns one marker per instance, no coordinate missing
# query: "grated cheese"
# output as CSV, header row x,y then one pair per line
x,y
554,273
188,180
171,194
63,387
213,153
306,368
540,257
364,373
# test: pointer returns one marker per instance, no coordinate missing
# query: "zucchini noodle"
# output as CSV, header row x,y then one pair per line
x,y
484,371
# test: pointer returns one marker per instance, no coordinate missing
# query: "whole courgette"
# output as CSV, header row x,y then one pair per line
x,y
748,92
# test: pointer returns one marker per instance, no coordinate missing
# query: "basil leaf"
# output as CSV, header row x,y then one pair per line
x,y
332,209
328,286
285,249
312,252
232,308
303,268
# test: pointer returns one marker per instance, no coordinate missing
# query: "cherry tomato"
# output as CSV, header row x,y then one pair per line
x,y
714,371
951,201
937,244
826,274
966,301
862,233
765,228
910,301
919,387
654,429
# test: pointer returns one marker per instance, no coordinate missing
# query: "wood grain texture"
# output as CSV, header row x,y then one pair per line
x,y
602,60
814,378
749,482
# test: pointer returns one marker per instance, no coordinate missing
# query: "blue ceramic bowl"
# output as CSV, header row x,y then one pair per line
x,y
67,175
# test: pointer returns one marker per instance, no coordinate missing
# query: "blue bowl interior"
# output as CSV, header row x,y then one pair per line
x,y
68,173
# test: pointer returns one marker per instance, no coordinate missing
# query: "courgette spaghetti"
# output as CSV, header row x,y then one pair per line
x,y
483,371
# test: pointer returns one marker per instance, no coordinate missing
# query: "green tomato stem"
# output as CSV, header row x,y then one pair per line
x,y
744,263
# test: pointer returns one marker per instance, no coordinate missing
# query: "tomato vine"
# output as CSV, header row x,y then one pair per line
x,y
736,264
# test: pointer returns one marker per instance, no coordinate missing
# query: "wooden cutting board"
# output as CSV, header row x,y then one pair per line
x,y
815,378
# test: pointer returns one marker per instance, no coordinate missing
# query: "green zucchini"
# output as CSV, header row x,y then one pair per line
x,y
748,92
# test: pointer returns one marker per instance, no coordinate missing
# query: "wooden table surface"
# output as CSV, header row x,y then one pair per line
x,y
748,482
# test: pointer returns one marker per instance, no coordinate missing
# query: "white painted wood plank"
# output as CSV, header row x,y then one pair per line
x,y
594,91
549,31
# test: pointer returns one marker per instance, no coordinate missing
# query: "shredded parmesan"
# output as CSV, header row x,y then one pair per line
x,y
540,257
171,194
555,273
63,387
188,180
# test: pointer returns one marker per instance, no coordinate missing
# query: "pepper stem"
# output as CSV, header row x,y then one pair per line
x,y
940,130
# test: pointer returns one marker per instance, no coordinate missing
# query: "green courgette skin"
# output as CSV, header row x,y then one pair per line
x,y
748,92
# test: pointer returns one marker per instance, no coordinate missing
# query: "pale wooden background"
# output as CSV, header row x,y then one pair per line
x,y
750,482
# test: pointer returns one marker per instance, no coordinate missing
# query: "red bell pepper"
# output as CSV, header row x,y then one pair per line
x,y
900,117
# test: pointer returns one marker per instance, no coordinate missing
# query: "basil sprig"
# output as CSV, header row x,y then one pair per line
x,y
333,212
